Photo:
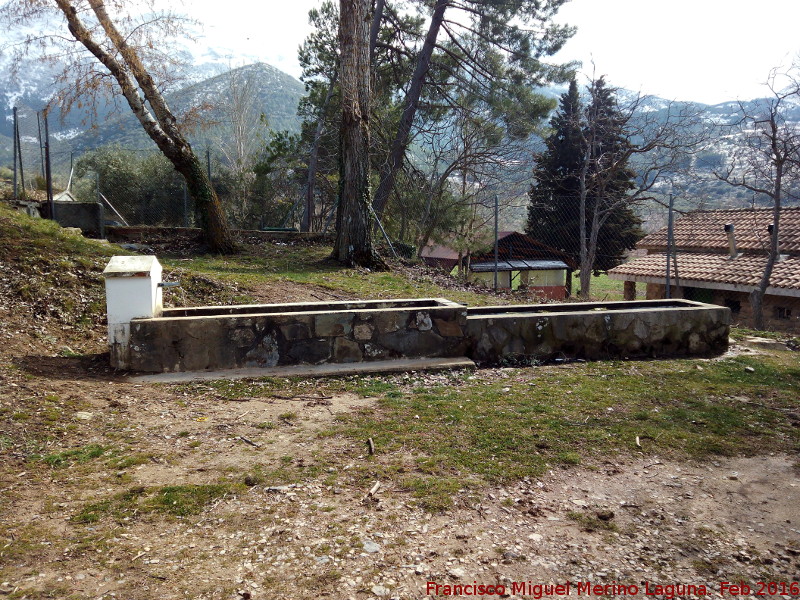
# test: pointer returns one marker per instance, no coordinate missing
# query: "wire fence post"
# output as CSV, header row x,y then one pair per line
x,y
496,236
15,153
668,293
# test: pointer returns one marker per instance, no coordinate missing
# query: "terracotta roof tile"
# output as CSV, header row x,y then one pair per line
x,y
704,230
716,268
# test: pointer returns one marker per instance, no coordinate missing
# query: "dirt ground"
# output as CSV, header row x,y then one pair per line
x,y
294,523
630,522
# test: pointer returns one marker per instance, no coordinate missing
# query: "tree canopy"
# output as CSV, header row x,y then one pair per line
x,y
563,167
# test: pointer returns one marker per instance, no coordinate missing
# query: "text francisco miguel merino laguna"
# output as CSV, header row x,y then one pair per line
x,y
579,588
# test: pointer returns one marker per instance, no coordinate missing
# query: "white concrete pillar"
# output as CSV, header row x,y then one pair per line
x,y
132,291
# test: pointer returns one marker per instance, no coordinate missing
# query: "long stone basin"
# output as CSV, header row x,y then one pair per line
x,y
268,335
591,330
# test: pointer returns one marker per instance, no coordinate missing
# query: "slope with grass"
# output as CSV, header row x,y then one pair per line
x,y
646,470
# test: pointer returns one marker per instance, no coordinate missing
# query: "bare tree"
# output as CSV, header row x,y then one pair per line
x,y
110,48
766,162
468,158
353,244
613,135
238,136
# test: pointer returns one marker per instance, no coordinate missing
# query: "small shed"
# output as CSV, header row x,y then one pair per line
x,y
546,278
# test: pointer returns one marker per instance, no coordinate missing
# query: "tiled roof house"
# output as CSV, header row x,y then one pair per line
x,y
709,271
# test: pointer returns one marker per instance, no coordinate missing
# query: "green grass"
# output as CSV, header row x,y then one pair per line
x,y
473,431
175,500
307,265
466,429
603,288
274,264
75,456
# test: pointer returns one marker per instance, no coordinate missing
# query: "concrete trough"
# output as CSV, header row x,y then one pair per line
x,y
270,335
143,336
593,331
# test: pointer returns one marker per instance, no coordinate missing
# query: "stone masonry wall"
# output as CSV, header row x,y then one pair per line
x,y
781,313
600,334
199,343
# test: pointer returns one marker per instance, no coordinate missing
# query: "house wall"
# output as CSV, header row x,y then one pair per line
x,y
487,279
781,313
550,278
550,282
550,292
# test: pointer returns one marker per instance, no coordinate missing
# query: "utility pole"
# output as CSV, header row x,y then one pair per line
x,y
668,293
48,173
496,233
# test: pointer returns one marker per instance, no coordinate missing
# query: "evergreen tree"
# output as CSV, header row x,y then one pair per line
x,y
614,227
553,211
585,160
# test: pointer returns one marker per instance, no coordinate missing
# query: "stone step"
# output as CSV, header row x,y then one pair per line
x,y
400,365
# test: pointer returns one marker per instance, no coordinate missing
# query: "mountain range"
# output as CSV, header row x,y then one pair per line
x,y
276,97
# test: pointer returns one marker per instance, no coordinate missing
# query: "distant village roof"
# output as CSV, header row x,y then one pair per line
x,y
714,271
705,231
519,265
513,245
438,251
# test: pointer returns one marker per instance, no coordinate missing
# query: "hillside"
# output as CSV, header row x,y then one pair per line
x,y
121,488
277,96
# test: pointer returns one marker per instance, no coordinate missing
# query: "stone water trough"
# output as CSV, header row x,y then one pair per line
x,y
144,336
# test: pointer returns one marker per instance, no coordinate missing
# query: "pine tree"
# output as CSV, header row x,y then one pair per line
x,y
554,196
587,147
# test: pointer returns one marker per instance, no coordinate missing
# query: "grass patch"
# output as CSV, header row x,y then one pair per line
x,y
175,500
76,456
184,500
591,522
492,428
129,460
603,288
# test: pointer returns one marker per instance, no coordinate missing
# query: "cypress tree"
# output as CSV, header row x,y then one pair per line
x,y
554,195
554,209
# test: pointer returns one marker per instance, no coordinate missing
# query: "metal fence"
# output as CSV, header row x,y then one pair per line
x,y
139,186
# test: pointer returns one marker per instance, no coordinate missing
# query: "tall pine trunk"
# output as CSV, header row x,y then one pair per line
x,y
353,244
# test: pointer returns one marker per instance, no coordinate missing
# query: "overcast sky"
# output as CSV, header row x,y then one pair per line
x,y
702,50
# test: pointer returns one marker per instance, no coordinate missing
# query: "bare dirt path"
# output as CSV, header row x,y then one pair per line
x,y
301,527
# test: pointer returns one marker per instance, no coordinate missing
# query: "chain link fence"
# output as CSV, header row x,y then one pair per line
x,y
139,187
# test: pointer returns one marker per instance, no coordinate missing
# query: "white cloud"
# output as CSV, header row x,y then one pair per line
x,y
270,30
702,50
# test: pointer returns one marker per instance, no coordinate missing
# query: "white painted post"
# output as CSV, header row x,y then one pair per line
x,y
132,292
